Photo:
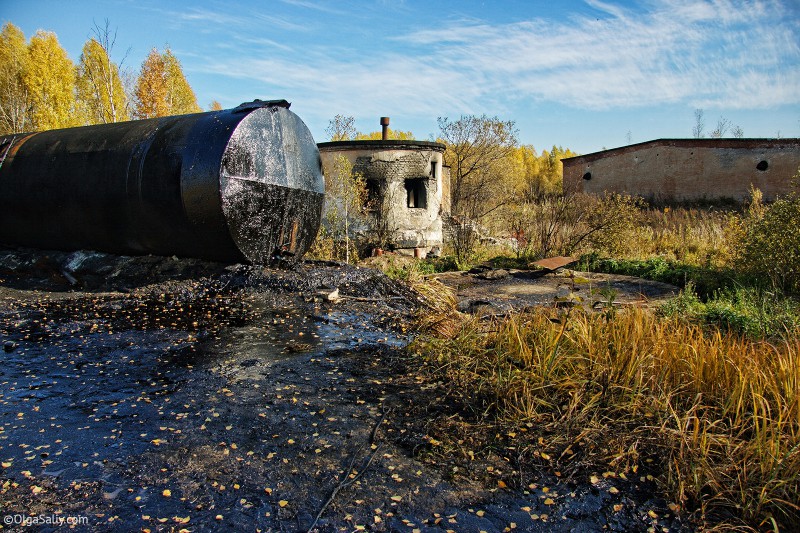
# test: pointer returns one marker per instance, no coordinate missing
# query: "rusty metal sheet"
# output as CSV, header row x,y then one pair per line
x,y
554,263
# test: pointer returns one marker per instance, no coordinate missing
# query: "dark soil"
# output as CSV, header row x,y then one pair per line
x,y
497,291
162,394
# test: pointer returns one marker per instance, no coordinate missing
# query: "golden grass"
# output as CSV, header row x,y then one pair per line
x,y
719,412
695,236
437,314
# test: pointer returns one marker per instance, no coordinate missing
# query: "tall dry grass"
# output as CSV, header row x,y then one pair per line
x,y
700,237
619,226
719,413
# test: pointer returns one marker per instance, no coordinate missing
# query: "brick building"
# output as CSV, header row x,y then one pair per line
x,y
688,169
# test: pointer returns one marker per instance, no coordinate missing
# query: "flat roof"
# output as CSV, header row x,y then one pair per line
x,y
689,143
392,144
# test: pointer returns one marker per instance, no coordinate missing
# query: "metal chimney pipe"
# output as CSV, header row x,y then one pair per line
x,y
384,128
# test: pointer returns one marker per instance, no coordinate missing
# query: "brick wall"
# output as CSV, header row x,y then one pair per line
x,y
688,169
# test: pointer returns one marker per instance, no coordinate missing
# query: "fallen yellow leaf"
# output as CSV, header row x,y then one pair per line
x,y
549,501
167,493
283,503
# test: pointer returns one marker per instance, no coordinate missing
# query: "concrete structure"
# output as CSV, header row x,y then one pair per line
x,y
408,190
688,169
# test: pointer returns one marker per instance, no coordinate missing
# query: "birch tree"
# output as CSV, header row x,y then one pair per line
x,y
50,82
341,128
478,153
162,89
345,193
15,102
100,91
180,95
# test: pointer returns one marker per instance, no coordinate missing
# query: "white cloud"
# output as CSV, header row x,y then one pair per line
x,y
313,5
677,51
712,53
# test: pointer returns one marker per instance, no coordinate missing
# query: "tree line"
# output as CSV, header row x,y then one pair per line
x,y
41,88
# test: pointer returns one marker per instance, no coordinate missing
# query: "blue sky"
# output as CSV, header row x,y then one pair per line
x,y
584,74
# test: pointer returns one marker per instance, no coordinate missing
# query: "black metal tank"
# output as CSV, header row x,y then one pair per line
x,y
242,184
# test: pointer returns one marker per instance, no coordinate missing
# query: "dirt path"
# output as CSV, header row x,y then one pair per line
x,y
164,395
498,291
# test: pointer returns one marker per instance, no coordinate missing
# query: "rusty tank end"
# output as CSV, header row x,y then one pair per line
x,y
243,184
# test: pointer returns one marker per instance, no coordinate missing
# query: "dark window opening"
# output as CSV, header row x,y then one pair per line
x,y
416,193
373,199
587,176
433,169
762,166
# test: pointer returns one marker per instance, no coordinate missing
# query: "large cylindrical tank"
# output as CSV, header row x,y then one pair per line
x,y
242,184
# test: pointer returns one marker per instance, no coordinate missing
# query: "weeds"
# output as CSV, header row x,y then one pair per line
x,y
705,281
719,411
751,311
707,387
768,240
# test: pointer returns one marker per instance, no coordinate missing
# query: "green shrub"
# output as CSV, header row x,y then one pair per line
x,y
612,223
686,304
769,242
444,263
748,311
705,281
